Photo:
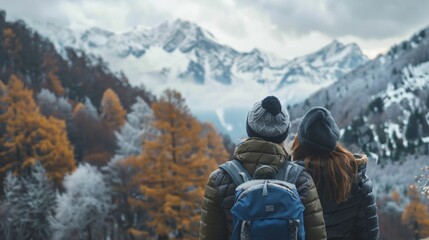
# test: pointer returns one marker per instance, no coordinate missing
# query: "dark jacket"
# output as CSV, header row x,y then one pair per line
x,y
216,219
357,217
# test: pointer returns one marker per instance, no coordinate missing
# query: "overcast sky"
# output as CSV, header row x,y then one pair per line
x,y
288,28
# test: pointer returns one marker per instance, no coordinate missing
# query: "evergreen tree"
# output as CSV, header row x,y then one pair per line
x,y
412,129
29,200
30,136
93,142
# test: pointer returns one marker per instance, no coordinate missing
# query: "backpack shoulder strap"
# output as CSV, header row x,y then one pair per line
x,y
236,171
290,172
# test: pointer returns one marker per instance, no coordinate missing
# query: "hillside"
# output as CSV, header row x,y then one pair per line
x,y
382,106
194,54
81,148
382,109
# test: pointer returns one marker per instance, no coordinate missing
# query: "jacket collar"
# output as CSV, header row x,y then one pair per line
x,y
254,151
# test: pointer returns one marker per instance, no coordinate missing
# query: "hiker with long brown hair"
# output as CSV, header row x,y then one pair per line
x,y
267,126
344,190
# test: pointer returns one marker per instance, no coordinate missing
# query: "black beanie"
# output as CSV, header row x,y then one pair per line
x,y
318,131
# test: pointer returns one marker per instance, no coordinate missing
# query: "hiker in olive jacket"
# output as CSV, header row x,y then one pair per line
x,y
345,191
267,127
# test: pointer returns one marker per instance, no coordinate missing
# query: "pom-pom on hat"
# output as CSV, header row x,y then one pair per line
x,y
268,120
318,131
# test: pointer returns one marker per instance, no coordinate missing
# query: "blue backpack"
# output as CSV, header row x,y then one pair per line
x,y
267,208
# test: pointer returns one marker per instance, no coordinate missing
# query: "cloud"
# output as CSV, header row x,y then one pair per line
x,y
120,15
288,28
45,10
363,18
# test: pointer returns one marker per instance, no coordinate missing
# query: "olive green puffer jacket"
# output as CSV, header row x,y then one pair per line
x,y
216,219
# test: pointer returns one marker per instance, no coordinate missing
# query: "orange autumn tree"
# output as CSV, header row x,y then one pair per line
x,y
29,136
174,169
112,111
416,215
53,82
216,149
12,44
3,88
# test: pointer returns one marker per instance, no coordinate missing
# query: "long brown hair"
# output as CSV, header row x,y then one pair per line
x,y
337,170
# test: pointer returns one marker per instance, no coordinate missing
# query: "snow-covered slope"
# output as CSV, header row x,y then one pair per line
x,y
181,55
383,110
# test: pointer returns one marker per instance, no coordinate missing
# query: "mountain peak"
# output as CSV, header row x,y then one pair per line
x,y
335,43
177,24
180,50
333,46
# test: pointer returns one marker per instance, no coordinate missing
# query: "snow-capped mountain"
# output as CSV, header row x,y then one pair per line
x,y
182,51
382,108
181,55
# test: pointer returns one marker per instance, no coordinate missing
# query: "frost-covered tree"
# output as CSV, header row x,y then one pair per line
x,y
137,128
51,105
90,109
423,181
29,202
82,209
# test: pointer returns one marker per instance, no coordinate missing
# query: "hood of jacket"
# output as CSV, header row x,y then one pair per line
x,y
255,151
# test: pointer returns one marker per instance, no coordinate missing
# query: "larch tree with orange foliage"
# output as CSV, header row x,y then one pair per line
x,y
12,45
31,137
216,148
396,198
3,89
174,169
416,215
52,82
112,112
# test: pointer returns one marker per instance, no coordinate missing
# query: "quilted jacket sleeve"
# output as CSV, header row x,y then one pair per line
x,y
366,226
213,224
314,222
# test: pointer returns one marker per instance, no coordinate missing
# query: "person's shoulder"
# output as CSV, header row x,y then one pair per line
x,y
219,177
363,182
361,160
304,182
